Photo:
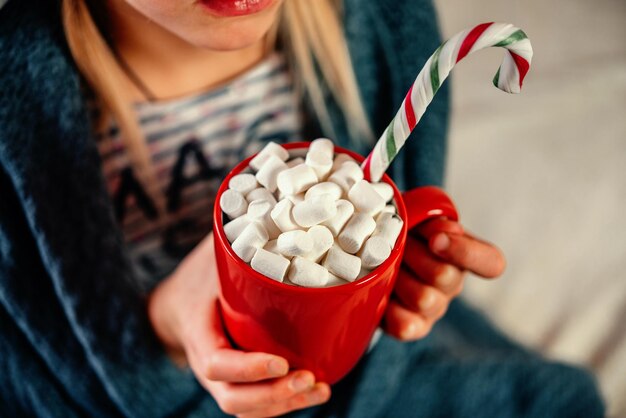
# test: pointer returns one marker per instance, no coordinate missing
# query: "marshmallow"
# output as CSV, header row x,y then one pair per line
x,y
269,264
272,246
294,243
384,190
342,234
322,240
387,209
335,281
267,174
257,209
364,272
345,209
326,187
388,227
296,179
233,203
281,214
234,228
342,264
339,160
315,210
323,146
375,250
304,272
359,227
243,183
261,193
260,211
320,162
253,237
294,198
295,162
347,175
272,148
365,199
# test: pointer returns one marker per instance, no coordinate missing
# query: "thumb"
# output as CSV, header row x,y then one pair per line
x,y
212,357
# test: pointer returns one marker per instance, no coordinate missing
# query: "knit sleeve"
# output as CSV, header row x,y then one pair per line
x,y
64,276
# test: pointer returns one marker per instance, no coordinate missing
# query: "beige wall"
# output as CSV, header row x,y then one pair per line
x,y
543,175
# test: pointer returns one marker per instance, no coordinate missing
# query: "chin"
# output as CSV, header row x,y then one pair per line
x,y
228,39
230,33
192,22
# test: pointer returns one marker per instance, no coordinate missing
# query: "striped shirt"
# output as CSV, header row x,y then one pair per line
x,y
193,143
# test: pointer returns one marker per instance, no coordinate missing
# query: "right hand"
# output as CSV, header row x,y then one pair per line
x,y
184,314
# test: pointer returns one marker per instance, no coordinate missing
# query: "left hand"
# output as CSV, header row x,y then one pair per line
x,y
184,313
437,254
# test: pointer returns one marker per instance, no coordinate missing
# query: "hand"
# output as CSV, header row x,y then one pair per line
x,y
437,254
183,311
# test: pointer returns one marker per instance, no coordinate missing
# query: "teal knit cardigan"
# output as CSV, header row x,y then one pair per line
x,y
67,297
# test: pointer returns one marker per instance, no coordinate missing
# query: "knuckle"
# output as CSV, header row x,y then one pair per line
x,y
441,312
428,299
274,397
279,393
446,275
463,250
441,269
210,371
245,374
462,253
424,330
458,290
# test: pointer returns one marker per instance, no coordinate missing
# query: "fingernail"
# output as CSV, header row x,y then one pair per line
x,y
440,243
447,277
277,367
317,395
409,331
301,382
427,301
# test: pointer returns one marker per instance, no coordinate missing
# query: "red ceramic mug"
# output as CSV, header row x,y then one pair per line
x,y
325,330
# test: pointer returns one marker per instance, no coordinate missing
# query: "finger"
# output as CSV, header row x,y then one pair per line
x,y
211,356
419,297
228,365
433,226
316,396
237,398
405,324
466,252
431,269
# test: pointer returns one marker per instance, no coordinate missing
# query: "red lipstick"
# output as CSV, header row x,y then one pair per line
x,y
231,8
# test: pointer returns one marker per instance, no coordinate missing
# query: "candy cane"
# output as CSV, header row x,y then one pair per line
x,y
509,78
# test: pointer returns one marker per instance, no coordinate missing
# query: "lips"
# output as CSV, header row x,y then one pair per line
x,y
231,8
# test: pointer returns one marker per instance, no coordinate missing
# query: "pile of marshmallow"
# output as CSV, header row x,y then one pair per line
x,y
311,222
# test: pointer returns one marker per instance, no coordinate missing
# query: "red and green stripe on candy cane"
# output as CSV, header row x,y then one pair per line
x,y
508,78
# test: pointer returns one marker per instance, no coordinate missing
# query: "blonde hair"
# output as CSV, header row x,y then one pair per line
x,y
307,48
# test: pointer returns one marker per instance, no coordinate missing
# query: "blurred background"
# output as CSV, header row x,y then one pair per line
x,y
543,175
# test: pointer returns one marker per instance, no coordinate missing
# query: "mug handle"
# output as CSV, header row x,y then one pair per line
x,y
427,202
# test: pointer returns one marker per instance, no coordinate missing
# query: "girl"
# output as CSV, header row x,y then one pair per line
x,y
120,117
